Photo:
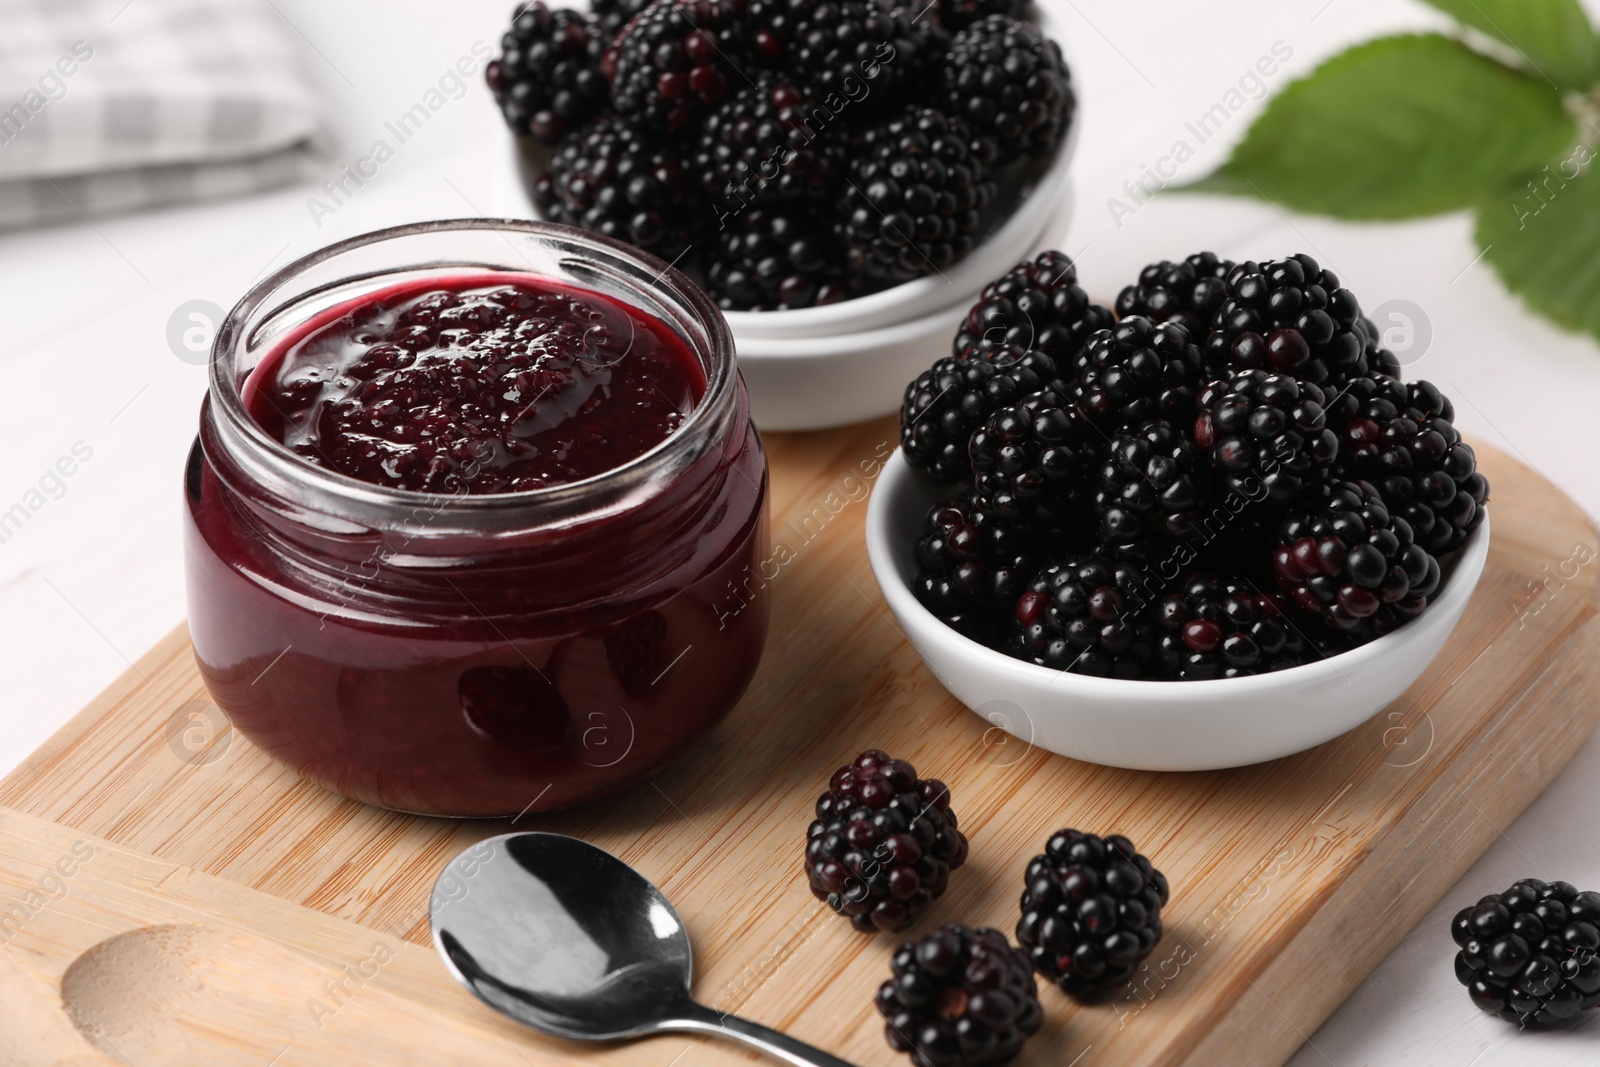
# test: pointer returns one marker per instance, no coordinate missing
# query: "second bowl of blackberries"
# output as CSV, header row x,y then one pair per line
x,y
1223,480
793,154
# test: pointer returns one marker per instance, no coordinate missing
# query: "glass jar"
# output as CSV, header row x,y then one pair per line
x,y
476,655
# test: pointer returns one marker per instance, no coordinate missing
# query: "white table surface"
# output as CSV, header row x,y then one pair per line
x,y
95,577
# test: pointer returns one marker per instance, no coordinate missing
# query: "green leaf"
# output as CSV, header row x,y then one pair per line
x,y
1394,128
1553,37
1541,231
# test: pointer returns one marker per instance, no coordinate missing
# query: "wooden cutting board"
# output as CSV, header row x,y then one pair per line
x,y
236,893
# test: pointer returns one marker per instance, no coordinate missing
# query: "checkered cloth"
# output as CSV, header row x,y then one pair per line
x,y
116,105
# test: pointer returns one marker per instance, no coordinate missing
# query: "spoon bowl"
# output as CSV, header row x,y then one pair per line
x,y
569,940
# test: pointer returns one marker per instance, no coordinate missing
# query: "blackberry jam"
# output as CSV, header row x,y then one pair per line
x,y
464,505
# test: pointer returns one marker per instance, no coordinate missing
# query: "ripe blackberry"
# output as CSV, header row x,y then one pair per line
x,y
1267,434
956,15
883,844
547,80
916,194
1187,294
1136,371
755,148
971,569
951,399
1037,304
1033,463
1216,628
1289,316
618,181
615,14
1091,911
1532,953
837,47
1083,614
1344,558
1006,79
675,60
1401,438
1152,486
775,258
960,997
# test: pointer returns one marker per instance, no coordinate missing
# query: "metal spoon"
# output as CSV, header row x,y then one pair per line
x,y
568,939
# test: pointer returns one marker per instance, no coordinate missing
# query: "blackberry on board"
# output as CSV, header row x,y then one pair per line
x,y
1401,437
547,78
1091,911
1187,294
615,14
915,195
1037,304
971,568
883,843
1136,371
676,60
1226,628
756,148
1153,485
1345,559
775,258
1034,463
1531,954
1291,317
616,179
1084,613
1006,79
960,997
959,14
1267,434
951,399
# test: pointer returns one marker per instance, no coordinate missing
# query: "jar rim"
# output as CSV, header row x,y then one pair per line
x,y
271,461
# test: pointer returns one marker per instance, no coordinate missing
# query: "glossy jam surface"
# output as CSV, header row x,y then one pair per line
x,y
481,675
476,385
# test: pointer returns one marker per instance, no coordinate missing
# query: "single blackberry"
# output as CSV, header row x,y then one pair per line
x,y
971,569
618,181
1006,79
1217,628
547,79
838,48
916,194
1153,485
775,258
1345,559
756,148
675,60
1187,294
951,399
1267,434
615,14
1401,437
1034,463
1135,371
1037,304
1532,953
1091,911
956,15
1291,317
883,844
1084,613
960,997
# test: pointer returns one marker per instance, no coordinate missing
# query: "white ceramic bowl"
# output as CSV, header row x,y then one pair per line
x,y
830,366
1155,726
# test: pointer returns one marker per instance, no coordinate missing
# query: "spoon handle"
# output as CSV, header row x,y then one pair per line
x,y
779,1045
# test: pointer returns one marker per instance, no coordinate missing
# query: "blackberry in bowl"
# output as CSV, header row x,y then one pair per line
x,y
1193,541
836,113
